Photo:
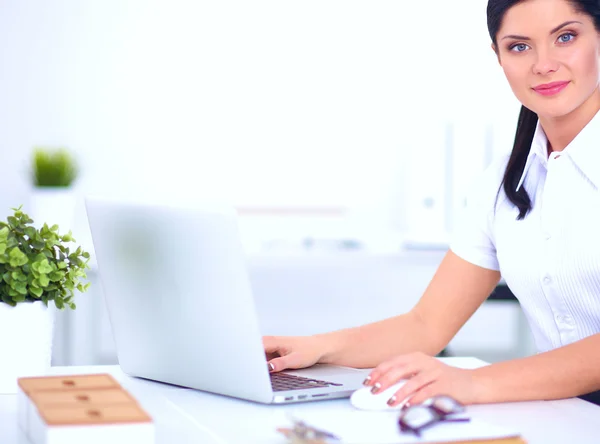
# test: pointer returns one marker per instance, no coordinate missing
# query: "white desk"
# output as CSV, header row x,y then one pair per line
x,y
190,416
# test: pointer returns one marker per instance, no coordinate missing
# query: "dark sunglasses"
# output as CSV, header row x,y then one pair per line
x,y
416,418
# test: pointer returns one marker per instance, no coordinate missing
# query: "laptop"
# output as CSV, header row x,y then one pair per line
x,y
181,308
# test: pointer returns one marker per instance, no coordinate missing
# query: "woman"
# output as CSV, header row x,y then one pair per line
x,y
534,219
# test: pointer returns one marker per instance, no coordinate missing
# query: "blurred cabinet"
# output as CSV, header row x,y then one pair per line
x,y
306,294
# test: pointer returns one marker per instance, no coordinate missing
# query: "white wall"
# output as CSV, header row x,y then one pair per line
x,y
263,102
317,102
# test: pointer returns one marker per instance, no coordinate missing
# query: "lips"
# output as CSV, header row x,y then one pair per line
x,y
550,86
550,89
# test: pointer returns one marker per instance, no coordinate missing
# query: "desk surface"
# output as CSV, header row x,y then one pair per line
x,y
190,416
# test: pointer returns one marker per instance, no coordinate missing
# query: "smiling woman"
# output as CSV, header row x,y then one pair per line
x,y
542,64
532,219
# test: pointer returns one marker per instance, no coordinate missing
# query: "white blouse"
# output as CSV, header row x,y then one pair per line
x,y
551,259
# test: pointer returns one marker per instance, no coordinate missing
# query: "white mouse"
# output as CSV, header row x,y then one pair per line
x,y
363,399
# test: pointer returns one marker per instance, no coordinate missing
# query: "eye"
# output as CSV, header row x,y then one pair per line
x,y
566,37
519,47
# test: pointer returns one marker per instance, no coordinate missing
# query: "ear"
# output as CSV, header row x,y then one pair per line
x,y
497,53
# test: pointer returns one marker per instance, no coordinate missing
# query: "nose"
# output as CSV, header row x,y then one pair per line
x,y
545,63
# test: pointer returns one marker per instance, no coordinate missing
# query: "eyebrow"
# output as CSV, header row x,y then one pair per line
x,y
522,37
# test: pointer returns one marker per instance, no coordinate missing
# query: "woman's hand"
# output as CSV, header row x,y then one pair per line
x,y
287,352
425,377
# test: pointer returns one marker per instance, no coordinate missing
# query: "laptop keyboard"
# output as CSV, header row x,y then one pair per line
x,y
283,382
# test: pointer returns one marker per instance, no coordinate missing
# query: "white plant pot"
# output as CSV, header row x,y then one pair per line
x,y
52,205
25,342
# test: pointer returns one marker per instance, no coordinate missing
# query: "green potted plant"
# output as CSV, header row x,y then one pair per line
x,y
39,270
53,173
53,168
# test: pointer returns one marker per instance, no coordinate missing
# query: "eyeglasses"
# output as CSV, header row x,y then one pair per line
x,y
412,419
418,417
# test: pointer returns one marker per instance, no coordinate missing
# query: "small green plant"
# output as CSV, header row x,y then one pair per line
x,y
37,264
53,167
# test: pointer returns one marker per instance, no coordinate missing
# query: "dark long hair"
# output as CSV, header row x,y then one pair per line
x,y
496,10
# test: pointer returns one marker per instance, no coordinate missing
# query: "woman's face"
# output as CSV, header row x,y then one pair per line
x,y
542,42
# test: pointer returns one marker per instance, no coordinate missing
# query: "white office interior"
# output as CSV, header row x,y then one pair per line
x,y
347,135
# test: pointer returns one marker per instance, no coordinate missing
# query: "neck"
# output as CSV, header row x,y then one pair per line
x,y
560,131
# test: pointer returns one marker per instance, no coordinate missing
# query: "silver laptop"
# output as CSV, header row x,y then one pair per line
x,y
181,308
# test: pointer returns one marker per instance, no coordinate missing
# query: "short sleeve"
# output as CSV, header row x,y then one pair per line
x,y
472,238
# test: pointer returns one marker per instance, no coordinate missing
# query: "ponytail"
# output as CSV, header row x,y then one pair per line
x,y
516,163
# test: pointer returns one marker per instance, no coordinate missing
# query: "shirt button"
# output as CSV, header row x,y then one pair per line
x,y
547,236
547,279
562,319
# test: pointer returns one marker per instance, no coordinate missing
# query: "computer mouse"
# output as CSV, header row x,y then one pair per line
x,y
363,399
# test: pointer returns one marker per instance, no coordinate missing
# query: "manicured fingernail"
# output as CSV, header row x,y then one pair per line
x,y
271,367
392,400
376,387
366,381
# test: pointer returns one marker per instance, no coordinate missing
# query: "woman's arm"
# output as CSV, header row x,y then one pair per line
x,y
568,371
457,289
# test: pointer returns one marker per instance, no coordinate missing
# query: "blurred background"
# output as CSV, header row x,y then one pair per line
x,y
346,133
